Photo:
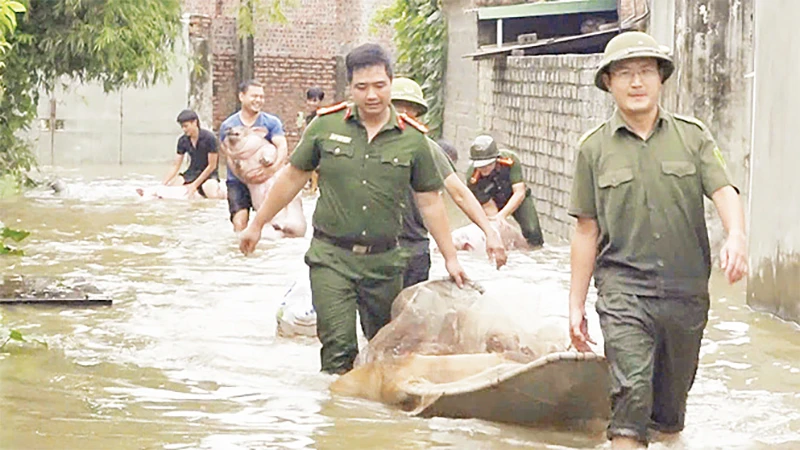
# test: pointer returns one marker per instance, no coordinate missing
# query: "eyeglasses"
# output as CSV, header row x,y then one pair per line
x,y
644,73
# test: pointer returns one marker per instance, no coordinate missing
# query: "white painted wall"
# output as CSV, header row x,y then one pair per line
x,y
134,125
774,282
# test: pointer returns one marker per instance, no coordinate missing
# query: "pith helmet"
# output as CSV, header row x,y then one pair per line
x,y
408,90
483,151
633,44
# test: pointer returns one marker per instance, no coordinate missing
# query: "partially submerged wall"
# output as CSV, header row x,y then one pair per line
x,y
774,283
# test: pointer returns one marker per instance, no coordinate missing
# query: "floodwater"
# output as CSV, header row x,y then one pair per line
x,y
187,357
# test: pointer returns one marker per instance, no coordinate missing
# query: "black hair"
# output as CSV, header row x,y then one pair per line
x,y
315,93
449,149
187,115
367,55
245,85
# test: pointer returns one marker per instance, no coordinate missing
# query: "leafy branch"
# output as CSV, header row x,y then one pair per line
x,y
421,40
117,43
249,12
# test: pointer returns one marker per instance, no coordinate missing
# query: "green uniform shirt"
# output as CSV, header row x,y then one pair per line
x,y
414,231
362,184
497,185
647,197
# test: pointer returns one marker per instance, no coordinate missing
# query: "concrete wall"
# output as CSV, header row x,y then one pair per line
x,y
461,118
713,54
131,125
774,282
539,106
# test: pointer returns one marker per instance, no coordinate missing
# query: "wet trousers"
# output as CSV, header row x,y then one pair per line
x,y
343,283
652,345
528,221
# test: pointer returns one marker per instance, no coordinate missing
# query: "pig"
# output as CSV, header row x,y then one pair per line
x,y
250,156
168,192
471,238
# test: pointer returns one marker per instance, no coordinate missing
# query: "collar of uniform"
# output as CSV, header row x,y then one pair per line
x,y
352,114
616,122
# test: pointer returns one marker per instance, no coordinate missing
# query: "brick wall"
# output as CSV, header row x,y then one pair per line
x,y
289,57
286,78
225,47
539,107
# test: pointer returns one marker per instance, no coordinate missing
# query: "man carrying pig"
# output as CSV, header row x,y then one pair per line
x,y
251,96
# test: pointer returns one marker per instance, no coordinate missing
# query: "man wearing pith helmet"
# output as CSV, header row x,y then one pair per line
x,y
408,99
495,178
637,194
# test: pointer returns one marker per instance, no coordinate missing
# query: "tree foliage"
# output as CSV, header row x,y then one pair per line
x,y
249,12
114,42
421,40
8,20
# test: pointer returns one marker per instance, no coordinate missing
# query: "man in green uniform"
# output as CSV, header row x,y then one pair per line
x,y
367,157
637,194
495,178
407,99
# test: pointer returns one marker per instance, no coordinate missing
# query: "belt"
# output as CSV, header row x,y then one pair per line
x,y
359,248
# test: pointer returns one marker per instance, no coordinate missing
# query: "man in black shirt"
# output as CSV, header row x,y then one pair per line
x,y
202,147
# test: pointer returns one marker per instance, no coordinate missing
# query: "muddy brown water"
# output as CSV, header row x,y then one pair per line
x,y
187,357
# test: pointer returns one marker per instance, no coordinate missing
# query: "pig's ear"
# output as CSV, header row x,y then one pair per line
x,y
260,131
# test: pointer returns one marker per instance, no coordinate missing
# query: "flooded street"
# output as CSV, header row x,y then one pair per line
x,y
187,357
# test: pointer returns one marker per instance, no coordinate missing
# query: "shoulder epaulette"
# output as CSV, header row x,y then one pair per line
x,y
691,120
589,133
404,118
332,109
506,161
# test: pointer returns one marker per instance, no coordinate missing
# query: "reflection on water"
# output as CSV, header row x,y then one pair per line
x,y
187,357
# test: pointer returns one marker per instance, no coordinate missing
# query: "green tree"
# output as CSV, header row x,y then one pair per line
x,y
8,20
115,42
421,40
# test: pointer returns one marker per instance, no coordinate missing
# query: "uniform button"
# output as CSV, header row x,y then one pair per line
x,y
660,263
395,160
337,150
657,236
364,233
363,181
366,157
364,208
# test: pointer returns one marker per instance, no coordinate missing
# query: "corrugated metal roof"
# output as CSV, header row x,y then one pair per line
x,y
545,8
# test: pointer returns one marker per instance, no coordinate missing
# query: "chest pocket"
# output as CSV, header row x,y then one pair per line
x,y
616,194
614,178
678,169
396,166
336,149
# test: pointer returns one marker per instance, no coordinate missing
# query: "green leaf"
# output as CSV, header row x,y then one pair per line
x,y
15,335
16,7
14,235
6,250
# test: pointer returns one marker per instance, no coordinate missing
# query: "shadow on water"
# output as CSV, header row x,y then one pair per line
x,y
187,357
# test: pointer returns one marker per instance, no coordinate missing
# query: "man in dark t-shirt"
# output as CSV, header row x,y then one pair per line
x,y
202,147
